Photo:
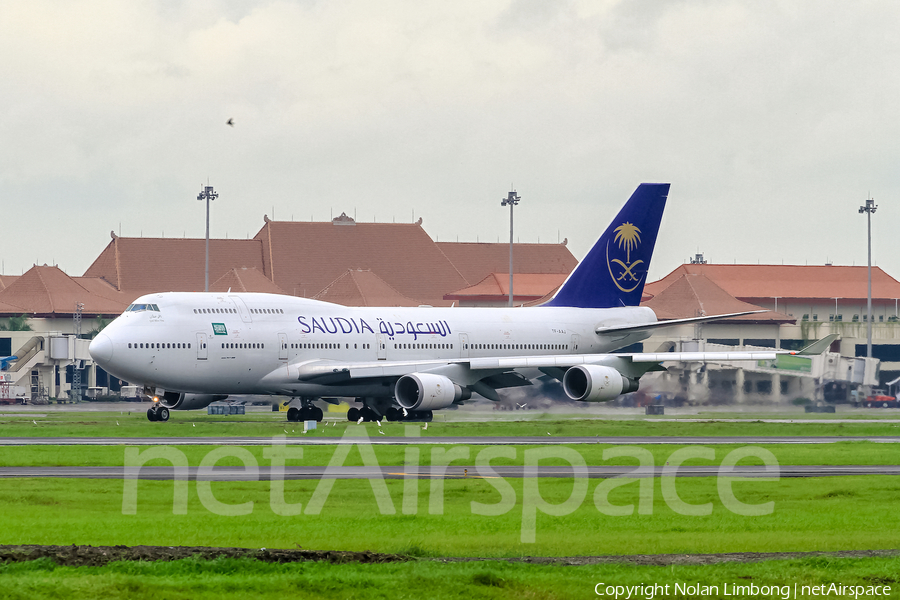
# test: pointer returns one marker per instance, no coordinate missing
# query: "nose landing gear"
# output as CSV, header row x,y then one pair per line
x,y
158,413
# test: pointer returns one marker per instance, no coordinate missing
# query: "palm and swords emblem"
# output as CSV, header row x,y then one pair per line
x,y
628,237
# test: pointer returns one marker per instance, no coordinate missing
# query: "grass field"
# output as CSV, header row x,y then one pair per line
x,y
842,453
824,514
192,579
267,424
808,514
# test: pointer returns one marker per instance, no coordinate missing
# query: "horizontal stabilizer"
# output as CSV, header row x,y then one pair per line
x,y
672,323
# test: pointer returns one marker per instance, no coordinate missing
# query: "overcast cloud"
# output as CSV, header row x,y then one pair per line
x,y
772,120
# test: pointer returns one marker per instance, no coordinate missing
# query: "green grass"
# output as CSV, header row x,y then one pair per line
x,y
242,578
266,424
842,453
835,513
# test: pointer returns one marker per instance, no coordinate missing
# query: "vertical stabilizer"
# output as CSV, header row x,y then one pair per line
x,y
615,270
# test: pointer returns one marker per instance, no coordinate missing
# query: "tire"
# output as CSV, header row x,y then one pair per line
x,y
293,414
163,414
318,414
151,414
353,414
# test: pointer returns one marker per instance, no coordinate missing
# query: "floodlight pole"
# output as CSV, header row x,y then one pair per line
x,y
512,199
207,193
869,208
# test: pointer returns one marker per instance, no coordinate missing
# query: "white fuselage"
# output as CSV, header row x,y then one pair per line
x,y
228,343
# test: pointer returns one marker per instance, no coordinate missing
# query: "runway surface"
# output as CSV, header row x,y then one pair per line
x,y
312,440
426,472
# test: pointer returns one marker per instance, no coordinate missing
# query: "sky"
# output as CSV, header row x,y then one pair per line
x,y
773,121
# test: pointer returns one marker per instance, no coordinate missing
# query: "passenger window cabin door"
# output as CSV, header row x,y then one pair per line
x,y
241,308
282,346
380,346
464,345
202,351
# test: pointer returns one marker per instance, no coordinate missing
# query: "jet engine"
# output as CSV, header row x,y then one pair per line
x,y
177,401
427,391
595,383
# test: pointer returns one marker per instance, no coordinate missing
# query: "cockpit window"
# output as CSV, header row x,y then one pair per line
x,y
142,307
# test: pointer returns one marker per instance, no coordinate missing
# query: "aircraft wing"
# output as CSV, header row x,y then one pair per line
x,y
328,372
471,371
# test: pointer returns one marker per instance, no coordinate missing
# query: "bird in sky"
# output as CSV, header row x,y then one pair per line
x,y
361,419
230,122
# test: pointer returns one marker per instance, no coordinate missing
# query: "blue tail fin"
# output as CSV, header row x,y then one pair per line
x,y
614,271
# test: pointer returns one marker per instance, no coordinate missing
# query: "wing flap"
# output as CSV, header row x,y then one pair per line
x,y
702,356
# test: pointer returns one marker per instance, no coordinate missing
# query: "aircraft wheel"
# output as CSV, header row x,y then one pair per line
x,y
353,414
369,415
163,414
318,414
151,414
394,414
293,414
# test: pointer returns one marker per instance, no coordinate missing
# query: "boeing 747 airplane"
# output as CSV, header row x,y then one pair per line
x,y
191,349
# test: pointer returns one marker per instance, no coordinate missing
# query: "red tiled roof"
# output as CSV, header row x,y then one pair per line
x,y
695,295
526,287
477,260
303,258
6,280
171,264
760,282
363,288
48,291
245,280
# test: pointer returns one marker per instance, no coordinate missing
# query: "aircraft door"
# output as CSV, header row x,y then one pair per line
x,y
464,345
282,346
381,347
202,351
241,308
574,343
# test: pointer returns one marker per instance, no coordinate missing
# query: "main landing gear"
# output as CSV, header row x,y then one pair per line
x,y
307,412
158,413
368,414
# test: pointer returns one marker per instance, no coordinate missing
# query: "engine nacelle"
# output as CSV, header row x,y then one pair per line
x,y
595,383
176,401
427,391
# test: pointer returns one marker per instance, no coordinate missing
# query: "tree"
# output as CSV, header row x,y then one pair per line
x,y
101,323
19,323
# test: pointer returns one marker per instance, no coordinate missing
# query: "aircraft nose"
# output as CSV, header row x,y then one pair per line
x,y
101,349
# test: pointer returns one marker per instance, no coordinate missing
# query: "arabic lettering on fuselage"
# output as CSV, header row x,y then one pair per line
x,y
345,325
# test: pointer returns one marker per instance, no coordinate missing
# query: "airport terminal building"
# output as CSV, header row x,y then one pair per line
x,y
399,264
